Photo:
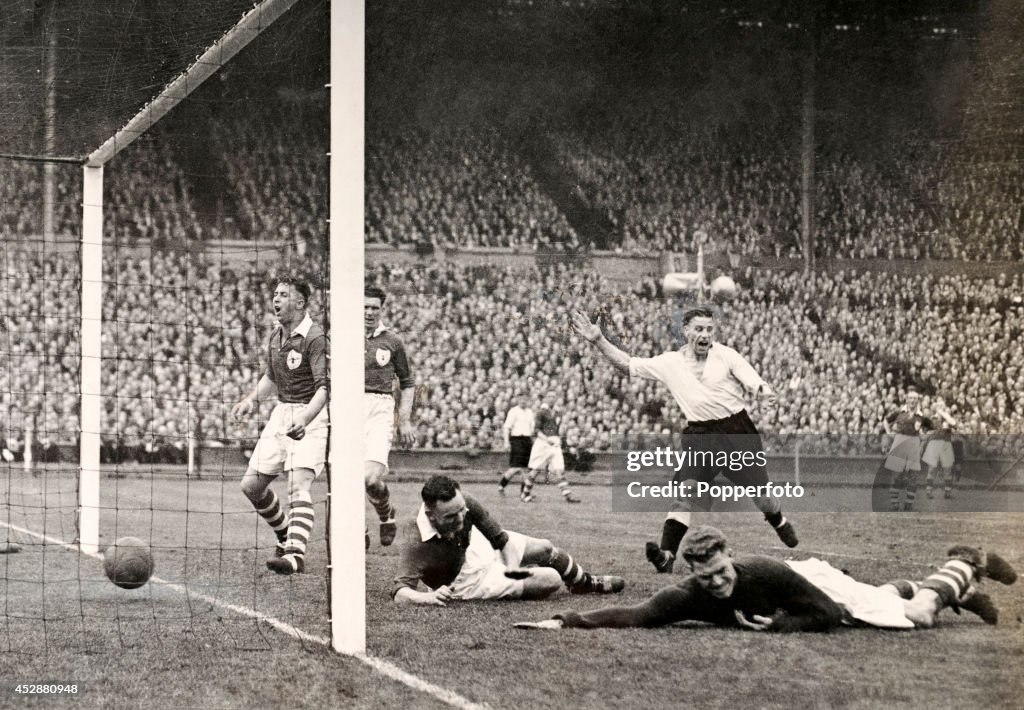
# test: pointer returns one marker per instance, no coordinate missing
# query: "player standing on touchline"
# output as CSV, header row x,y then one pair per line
x,y
295,438
385,361
709,381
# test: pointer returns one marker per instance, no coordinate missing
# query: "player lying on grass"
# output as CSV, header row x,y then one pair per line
x,y
765,594
460,552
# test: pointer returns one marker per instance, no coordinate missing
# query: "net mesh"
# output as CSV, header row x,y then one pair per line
x,y
201,214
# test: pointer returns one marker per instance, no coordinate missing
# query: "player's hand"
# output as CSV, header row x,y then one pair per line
x,y
439,597
406,433
582,325
296,431
546,624
755,622
242,409
767,397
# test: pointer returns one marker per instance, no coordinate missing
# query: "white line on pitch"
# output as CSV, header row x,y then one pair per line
x,y
383,667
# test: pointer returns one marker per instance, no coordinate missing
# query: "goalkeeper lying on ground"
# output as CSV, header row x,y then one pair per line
x,y
765,594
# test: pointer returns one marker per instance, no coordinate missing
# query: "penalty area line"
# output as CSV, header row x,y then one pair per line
x,y
385,668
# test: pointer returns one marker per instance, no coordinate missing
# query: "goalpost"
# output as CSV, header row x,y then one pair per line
x,y
346,514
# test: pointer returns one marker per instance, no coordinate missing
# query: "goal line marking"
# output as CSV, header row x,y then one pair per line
x,y
385,668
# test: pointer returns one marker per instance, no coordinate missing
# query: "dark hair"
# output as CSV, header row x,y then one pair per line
x,y
439,488
375,292
702,543
697,312
301,287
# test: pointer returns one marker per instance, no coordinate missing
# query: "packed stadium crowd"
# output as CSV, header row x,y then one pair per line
x,y
184,335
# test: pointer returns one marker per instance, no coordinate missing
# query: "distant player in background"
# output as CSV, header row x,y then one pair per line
x,y
518,429
709,381
938,453
546,455
904,458
764,594
459,552
386,361
295,438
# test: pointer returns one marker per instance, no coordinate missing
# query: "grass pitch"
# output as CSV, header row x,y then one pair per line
x,y
159,647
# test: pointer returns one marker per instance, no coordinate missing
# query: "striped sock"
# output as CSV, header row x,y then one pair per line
x,y
894,499
563,485
951,582
903,587
381,502
270,510
570,572
300,523
527,488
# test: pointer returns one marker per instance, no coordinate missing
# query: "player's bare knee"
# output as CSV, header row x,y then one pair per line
x,y
252,487
541,584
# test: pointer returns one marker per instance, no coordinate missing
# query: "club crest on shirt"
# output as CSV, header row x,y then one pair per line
x,y
294,359
383,357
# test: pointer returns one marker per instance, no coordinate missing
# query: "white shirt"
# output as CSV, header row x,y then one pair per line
x,y
717,392
520,421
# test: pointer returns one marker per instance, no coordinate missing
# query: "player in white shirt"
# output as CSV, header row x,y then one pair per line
x,y
518,429
710,382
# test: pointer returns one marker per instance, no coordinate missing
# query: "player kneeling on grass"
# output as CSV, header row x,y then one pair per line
x,y
460,552
765,594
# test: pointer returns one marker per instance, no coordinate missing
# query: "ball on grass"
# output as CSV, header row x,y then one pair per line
x,y
724,287
128,563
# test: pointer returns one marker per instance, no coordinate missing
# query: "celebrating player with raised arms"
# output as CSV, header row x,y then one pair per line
x,y
709,381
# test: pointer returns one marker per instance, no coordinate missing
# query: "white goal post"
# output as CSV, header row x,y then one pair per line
x,y
346,506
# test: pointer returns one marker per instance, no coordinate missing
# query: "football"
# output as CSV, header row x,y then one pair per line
x,y
128,563
724,287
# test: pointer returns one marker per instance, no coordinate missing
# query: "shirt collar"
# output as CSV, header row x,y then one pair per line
x,y
426,528
303,327
380,329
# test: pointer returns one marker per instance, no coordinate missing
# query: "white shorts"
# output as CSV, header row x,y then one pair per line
x,y
277,452
483,574
863,602
938,453
546,456
378,426
905,454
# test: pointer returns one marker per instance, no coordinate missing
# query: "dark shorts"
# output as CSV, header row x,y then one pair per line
x,y
730,447
519,451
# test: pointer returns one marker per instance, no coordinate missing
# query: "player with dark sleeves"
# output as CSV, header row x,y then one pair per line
x,y
764,594
710,382
546,455
904,458
295,438
386,361
459,552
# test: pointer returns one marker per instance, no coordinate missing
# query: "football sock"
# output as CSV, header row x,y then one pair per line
x,y
528,484
563,484
270,510
903,587
300,522
570,572
951,582
672,533
774,519
381,501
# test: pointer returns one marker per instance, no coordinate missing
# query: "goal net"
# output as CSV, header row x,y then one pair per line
x,y
135,312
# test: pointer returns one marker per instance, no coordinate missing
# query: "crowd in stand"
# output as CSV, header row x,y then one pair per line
x,y
184,335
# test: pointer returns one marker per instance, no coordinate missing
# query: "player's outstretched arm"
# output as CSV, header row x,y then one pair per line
x,y
438,597
592,334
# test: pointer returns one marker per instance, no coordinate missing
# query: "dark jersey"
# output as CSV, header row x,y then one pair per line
x,y
907,423
297,364
385,360
547,422
764,586
437,561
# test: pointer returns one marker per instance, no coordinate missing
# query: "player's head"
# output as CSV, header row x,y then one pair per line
x,y
707,552
291,296
445,506
373,305
699,329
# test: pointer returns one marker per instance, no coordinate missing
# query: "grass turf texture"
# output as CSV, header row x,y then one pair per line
x,y
156,647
